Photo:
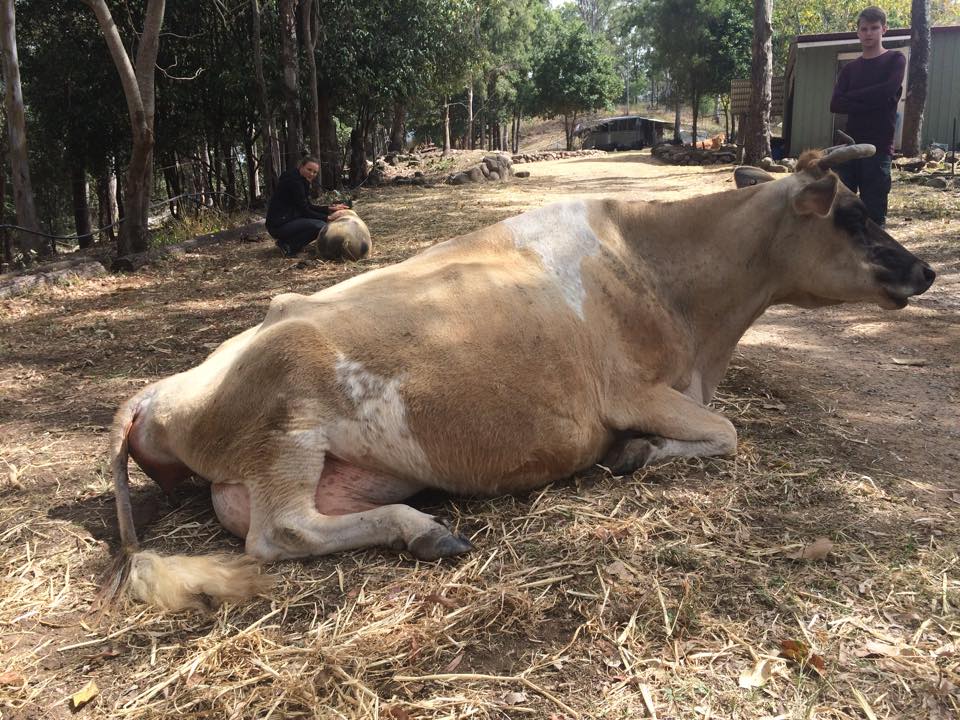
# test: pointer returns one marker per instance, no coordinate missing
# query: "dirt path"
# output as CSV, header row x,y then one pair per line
x,y
607,595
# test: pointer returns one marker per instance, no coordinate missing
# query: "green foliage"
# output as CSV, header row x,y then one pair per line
x,y
574,73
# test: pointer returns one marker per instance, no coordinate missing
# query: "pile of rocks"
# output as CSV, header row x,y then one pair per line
x,y
495,167
553,155
935,168
689,155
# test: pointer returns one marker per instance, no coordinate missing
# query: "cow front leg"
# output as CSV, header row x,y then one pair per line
x,y
669,425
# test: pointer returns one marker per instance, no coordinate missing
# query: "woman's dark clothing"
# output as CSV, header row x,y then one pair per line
x,y
291,220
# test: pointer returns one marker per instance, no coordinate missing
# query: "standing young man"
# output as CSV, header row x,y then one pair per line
x,y
867,91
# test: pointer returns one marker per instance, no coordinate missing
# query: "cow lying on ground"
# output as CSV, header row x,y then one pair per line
x,y
496,362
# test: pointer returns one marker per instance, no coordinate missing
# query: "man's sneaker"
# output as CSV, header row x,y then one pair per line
x,y
286,250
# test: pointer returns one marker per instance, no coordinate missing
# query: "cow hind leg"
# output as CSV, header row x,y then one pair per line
x,y
285,522
671,425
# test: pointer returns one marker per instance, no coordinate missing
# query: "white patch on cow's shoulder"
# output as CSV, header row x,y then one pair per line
x,y
562,237
378,428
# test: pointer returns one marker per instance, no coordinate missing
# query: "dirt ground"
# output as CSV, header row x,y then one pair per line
x,y
694,589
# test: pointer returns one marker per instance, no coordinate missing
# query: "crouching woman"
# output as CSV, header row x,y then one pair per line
x,y
294,223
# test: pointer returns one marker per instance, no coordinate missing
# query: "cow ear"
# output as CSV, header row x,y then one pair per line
x,y
745,176
817,197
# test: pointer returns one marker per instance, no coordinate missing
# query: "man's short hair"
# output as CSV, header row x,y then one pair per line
x,y
872,14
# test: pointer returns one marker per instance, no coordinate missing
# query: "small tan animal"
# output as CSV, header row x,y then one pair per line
x,y
581,332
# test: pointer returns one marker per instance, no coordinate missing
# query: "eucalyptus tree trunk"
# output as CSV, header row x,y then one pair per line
x,y
396,127
138,81
291,83
757,131
271,162
331,162
81,208
446,125
916,77
470,115
17,129
309,14
107,213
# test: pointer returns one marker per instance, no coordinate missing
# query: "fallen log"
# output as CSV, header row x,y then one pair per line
x,y
135,261
19,284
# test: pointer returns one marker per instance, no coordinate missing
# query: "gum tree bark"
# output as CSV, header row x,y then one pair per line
x,y
271,162
17,128
291,82
917,77
757,131
138,81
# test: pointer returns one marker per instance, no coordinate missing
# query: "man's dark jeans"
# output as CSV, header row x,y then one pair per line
x,y
295,235
871,177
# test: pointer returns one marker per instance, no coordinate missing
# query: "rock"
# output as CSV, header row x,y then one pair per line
x,y
777,168
936,182
789,163
932,165
392,159
522,174
475,174
935,153
485,169
418,174
910,164
493,175
458,179
956,182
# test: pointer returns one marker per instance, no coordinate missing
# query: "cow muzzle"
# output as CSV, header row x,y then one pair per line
x,y
899,290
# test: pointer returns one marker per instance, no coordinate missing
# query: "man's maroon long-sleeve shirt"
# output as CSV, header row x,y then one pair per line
x,y
867,91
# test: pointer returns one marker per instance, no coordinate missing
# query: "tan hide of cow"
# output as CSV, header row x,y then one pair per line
x,y
581,332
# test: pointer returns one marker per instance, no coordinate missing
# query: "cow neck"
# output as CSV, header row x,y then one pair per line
x,y
711,257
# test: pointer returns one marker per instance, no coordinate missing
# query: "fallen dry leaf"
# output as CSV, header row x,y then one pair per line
x,y
82,697
914,362
514,698
758,676
12,678
397,713
441,600
872,648
454,664
801,654
617,569
817,550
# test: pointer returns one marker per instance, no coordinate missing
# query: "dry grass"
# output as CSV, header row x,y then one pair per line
x,y
596,597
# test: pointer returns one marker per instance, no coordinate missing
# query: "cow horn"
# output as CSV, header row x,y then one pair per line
x,y
844,139
844,153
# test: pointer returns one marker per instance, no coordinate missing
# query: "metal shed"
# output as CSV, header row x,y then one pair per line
x,y
627,132
815,60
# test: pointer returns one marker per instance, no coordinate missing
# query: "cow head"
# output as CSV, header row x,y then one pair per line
x,y
831,251
346,237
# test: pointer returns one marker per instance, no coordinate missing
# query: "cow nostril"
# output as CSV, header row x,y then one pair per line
x,y
928,273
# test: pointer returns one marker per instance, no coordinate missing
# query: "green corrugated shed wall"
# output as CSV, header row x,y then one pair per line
x,y
815,73
943,90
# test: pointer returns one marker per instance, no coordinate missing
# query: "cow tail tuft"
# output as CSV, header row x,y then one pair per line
x,y
174,582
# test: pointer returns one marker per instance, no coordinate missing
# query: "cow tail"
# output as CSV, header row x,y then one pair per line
x,y
174,582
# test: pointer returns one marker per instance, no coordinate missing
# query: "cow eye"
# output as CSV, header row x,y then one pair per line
x,y
852,218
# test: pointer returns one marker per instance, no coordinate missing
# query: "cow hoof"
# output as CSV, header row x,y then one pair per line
x,y
438,542
632,454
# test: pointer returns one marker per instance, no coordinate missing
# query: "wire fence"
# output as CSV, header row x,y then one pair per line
x,y
197,198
